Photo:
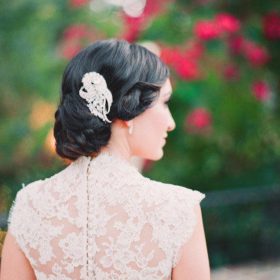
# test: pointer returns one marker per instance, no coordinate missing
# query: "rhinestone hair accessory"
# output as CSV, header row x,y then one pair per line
x,y
97,95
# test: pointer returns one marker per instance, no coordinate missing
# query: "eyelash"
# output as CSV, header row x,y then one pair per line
x,y
167,102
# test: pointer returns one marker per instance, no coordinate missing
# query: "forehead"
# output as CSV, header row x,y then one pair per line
x,y
166,88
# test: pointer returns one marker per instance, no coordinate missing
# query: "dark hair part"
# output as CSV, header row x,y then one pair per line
x,y
133,74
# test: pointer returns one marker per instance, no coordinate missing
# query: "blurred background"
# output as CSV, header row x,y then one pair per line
x,y
224,57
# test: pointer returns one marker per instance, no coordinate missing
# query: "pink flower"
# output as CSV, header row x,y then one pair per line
x,y
206,30
184,64
236,44
261,90
195,49
133,27
131,34
73,38
70,49
227,22
152,7
199,120
76,32
231,72
187,69
133,21
256,54
77,3
170,56
271,26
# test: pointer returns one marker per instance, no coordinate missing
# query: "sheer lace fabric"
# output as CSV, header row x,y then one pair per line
x,y
101,219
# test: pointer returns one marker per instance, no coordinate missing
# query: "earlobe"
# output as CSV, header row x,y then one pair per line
x,y
130,128
129,125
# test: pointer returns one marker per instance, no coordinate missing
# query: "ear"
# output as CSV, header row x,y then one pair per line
x,y
125,124
128,123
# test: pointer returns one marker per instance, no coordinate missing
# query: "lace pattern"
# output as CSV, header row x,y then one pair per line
x,y
101,219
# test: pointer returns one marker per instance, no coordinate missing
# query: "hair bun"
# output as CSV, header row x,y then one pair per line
x,y
76,133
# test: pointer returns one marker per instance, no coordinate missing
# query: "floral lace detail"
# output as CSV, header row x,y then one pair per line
x,y
101,219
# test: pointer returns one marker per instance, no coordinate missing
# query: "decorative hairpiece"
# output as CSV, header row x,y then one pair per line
x,y
97,95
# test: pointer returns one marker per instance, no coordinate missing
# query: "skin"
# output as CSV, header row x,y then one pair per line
x,y
149,130
194,263
14,264
148,137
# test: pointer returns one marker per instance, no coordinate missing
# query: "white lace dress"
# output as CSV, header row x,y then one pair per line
x,y
101,219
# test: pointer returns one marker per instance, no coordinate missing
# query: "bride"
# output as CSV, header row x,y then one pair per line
x,y
99,218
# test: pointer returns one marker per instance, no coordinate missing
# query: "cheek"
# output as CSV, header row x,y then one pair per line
x,y
159,119
150,123
150,128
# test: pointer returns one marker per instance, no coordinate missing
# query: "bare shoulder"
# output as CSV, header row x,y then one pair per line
x,y
194,262
14,264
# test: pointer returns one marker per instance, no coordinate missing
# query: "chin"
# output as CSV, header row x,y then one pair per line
x,y
156,156
153,155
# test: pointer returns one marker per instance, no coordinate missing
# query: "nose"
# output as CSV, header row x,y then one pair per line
x,y
171,123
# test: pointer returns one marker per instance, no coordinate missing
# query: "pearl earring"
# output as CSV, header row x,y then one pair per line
x,y
130,129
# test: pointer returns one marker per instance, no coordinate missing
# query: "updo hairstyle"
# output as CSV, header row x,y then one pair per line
x,y
133,74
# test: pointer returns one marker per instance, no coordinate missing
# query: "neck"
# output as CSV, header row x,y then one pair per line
x,y
119,151
118,144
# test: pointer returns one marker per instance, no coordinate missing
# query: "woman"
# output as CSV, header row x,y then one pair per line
x,y
100,218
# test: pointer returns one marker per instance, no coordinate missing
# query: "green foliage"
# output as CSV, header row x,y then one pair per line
x,y
2,238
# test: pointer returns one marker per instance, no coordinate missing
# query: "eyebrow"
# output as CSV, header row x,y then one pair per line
x,y
168,93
